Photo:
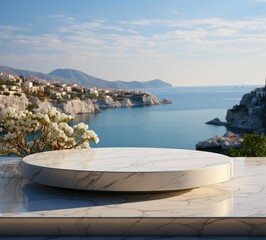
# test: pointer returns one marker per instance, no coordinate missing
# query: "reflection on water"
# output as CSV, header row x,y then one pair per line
x,y
85,117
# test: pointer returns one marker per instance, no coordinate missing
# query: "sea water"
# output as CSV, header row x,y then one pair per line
x,y
177,125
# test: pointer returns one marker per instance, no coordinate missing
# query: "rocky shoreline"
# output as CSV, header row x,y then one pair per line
x,y
78,106
217,122
250,113
228,140
247,117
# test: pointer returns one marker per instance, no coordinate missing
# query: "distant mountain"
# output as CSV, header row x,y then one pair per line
x,y
157,83
28,74
75,76
83,79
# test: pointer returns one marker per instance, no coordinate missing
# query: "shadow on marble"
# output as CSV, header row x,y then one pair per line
x,y
19,195
37,197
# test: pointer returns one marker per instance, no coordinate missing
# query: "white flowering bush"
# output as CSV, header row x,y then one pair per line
x,y
24,132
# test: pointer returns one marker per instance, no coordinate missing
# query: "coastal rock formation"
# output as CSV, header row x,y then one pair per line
x,y
242,120
126,103
107,102
150,100
166,101
19,103
82,105
250,114
216,122
246,100
76,106
36,102
228,140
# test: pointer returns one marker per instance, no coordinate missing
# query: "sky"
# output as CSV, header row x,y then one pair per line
x,y
183,42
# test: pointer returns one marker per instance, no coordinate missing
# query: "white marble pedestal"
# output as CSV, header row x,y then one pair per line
x,y
127,169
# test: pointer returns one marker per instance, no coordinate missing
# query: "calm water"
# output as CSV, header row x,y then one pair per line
x,y
178,125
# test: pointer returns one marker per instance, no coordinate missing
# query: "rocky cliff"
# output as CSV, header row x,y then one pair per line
x,y
145,100
108,102
35,102
77,106
250,114
242,120
70,107
150,100
19,103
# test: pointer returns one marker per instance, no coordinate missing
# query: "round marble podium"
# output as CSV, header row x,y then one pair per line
x,y
127,169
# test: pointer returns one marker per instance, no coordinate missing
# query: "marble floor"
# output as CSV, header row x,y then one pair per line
x,y
236,207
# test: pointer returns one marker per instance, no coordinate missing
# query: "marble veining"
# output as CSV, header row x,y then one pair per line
x,y
235,207
126,159
127,169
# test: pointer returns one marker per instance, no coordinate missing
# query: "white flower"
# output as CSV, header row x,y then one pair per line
x,y
81,126
94,136
50,130
46,118
85,145
52,112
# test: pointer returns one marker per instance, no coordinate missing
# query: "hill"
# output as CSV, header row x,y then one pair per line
x,y
29,74
76,76
81,78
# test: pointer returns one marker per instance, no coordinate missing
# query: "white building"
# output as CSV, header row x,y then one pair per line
x,y
41,88
6,76
35,89
68,88
28,85
93,92
12,88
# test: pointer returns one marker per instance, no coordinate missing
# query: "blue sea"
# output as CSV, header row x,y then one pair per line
x,y
177,125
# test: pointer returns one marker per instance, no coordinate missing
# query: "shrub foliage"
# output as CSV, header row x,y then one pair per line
x,y
254,145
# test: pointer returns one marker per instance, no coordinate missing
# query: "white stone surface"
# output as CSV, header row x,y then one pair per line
x,y
127,169
235,207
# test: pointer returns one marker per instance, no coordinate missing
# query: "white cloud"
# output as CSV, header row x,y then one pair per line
x,y
10,28
95,25
250,24
117,45
193,35
57,16
140,22
62,17
86,40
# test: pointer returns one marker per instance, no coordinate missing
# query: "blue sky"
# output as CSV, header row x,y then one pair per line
x,y
184,42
